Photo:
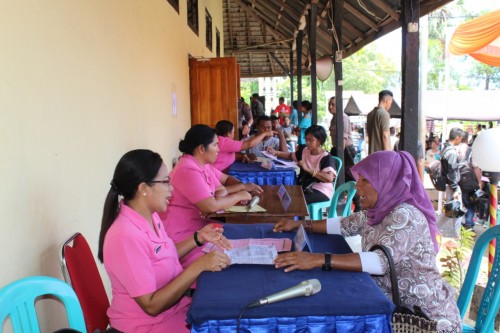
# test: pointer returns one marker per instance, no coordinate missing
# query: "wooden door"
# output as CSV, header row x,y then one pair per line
x,y
214,90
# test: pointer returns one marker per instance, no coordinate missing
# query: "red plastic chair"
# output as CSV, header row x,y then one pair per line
x,y
80,271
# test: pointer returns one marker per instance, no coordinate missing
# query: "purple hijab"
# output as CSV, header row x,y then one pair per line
x,y
395,177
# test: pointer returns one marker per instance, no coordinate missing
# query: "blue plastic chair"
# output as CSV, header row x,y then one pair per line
x,y
316,209
490,303
350,189
357,158
17,302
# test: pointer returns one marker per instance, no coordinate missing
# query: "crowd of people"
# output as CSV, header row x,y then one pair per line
x,y
155,223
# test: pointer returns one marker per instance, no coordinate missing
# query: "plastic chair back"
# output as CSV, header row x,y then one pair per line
x,y
338,164
17,302
489,306
350,189
80,270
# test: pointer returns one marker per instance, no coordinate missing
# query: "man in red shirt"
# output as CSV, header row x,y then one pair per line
x,y
282,110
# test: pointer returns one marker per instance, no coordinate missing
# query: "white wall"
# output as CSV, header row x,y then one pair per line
x,y
81,83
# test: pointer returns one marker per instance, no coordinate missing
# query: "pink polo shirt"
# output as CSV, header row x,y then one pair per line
x,y
192,183
139,261
227,152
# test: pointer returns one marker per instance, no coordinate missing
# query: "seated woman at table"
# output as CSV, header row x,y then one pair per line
x,y
317,167
278,142
148,282
396,213
229,149
199,188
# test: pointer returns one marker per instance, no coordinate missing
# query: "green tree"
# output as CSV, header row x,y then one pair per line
x,y
248,87
485,73
369,71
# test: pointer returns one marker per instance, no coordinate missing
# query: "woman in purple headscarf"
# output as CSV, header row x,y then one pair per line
x,y
396,213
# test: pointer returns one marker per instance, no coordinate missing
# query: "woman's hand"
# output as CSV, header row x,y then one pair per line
x,y
213,233
271,151
286,225
298,260
253,188
244,195
246,159
214,261
252,157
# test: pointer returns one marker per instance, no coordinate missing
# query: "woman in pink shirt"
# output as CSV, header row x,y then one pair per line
x,y
229,149
199,187
148,282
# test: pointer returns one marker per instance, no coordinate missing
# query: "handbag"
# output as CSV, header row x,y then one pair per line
x,y
405,320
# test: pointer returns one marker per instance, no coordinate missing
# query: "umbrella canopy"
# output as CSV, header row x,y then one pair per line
x,y
480,38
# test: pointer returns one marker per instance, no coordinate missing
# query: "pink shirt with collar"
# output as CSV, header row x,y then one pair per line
x,y
192,183
139,261
227,152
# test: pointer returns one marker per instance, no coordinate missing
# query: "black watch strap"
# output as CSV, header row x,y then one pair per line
x,y
327,266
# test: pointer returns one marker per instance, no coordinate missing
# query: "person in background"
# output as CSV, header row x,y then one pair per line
x,y
245,130
450,226
305,122
281,110
464,159
396,208
294,115
275,123
317,167
148,282
287,130
257,107
432,154
277,142
392,133
378,123
229,149
199,188
244,113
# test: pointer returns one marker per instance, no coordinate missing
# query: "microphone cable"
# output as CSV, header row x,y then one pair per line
x,y
241,315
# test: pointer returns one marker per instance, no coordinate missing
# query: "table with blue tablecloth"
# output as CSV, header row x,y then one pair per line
x,y
347,302
253,172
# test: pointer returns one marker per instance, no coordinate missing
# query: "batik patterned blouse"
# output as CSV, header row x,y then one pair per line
x,y
405,232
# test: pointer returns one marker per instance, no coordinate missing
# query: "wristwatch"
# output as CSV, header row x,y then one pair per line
x,y
327,266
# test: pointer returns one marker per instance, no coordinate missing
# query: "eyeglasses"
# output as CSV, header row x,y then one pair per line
x,y
165,182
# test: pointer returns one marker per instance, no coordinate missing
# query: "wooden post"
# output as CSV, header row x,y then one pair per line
x,y
338,15
410,66
313,18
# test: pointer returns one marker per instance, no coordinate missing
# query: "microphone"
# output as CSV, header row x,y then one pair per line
x,y
305,288
255,200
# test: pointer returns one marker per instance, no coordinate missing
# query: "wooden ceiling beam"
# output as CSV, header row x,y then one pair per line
x,y
252,14
387,9
360,16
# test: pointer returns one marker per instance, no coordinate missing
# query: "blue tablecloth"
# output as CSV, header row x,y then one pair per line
x,y
253,172
347,302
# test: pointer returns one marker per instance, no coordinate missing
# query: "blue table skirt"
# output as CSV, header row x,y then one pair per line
x,y
309,324
347,302
253,172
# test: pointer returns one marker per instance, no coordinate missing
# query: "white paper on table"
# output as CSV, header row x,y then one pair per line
x,y
252,254
280,244
289,164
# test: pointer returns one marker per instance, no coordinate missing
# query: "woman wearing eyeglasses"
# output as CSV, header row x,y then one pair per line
x,y
148,282
199,188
